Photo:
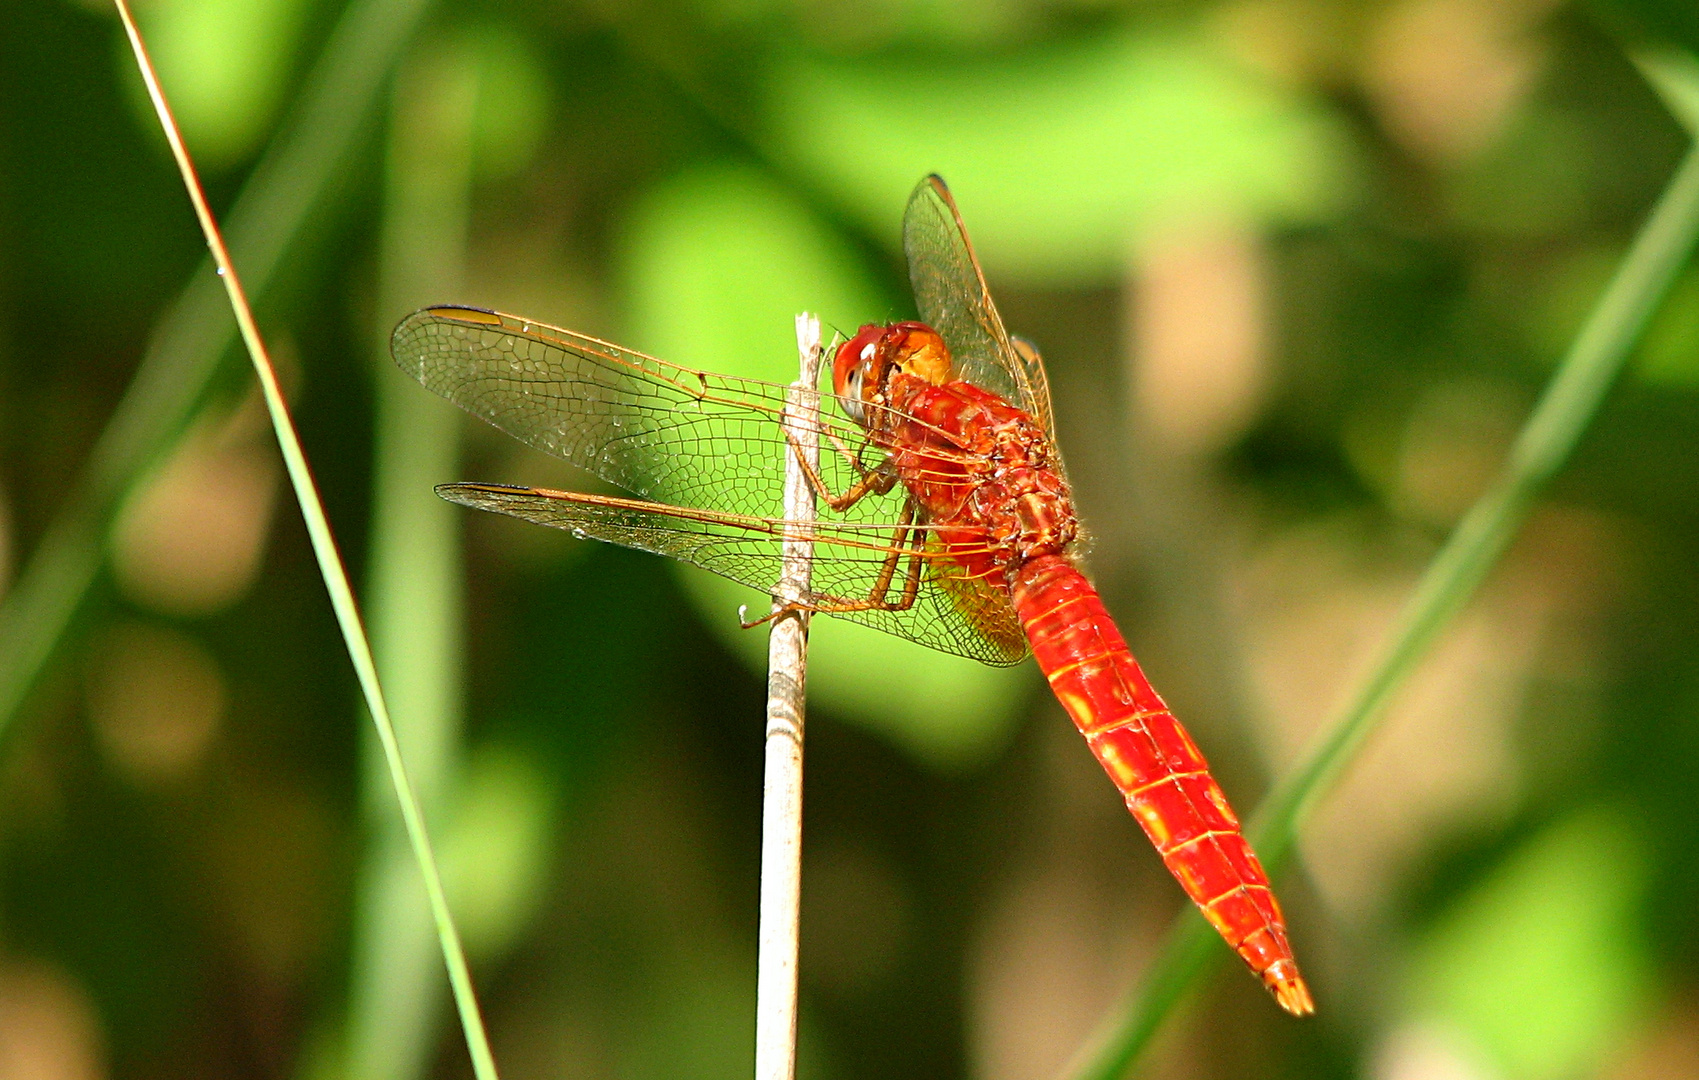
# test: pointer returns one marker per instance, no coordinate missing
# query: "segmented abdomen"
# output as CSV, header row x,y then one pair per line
x,y
1158,768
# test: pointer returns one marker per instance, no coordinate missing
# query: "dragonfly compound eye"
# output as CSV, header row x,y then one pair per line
x,y
851,368
850,396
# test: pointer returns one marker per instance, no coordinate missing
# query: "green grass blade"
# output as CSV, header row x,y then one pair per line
x,y
416,582
331,569
337,101
1564,411
1675,76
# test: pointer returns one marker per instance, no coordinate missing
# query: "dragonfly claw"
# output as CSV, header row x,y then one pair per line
x,y
750,624
743,617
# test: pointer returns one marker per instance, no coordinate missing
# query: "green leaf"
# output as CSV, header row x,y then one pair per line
x,y
1062,158
1670,353
496,847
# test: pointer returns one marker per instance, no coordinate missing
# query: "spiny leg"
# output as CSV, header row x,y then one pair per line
x,y
824,603
875,598
869,481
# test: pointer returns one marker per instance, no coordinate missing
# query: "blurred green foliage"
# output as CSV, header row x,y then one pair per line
x,y
1550,997
1064,154
1376,223
228,64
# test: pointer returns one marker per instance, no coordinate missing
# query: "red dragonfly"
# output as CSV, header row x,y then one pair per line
x,y
947,518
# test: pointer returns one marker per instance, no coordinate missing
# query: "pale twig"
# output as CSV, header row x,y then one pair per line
x,y
330,564
781,810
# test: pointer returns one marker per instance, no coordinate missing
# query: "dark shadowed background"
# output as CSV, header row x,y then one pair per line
x,y
1299,268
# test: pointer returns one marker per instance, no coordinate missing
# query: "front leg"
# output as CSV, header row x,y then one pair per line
x,y
876,481
872,482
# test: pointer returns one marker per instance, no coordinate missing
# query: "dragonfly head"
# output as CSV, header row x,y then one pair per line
x,y
862,370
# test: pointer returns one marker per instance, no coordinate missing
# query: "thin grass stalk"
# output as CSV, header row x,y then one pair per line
x,y
781,807
1675,76
1566,408
415,592
330,565
184,350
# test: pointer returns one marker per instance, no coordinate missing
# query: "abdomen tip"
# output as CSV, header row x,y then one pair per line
x,y
1289,988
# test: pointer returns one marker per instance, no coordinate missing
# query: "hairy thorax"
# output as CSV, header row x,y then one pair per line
x,y
984,473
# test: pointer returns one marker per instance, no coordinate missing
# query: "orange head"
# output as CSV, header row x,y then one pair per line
x,y
862,370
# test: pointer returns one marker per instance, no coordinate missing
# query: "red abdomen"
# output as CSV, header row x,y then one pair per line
x,y
1158,768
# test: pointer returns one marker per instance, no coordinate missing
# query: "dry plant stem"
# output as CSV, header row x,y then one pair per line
x,y
330,564
186,345
781,807
1570,401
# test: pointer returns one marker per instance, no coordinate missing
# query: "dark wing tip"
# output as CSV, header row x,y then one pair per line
x,y
461,313
471,316
469,485
448,313
451,313
934,184
930,191
469,494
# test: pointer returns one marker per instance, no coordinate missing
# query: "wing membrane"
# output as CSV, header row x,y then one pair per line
x,y
668,433
952,613
950,291
707,452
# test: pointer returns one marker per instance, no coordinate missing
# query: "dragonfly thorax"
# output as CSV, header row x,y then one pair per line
x,y
983,472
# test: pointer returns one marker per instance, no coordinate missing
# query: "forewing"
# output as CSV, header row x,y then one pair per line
x,y
950,291
668,433
952,614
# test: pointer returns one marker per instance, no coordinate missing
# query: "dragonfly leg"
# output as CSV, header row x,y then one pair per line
x,y
906,538
870,481
876,482
875,598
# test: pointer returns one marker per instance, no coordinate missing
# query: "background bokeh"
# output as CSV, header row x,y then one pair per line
x,y
1298,267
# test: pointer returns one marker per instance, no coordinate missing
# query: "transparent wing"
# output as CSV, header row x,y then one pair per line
x,y
706,448
1032,364
950,291
669,433
950,612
